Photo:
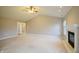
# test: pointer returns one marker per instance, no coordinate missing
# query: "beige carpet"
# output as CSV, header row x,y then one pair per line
x,y
33,43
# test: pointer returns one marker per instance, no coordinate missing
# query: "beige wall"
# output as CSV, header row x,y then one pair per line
x,y
72,17
0,27
8,27
44,25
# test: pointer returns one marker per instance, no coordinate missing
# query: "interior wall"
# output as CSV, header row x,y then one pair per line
x,y
44,25
72,19
8,27
0,27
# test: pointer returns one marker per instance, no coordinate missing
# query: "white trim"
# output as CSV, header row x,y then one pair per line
x,y
3,38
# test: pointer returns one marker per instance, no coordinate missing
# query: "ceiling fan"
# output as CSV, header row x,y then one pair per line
x,y
31,9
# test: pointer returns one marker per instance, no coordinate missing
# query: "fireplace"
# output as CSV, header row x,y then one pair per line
x,y
71,37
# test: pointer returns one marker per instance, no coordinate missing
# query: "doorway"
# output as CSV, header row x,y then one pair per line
x,y
21,27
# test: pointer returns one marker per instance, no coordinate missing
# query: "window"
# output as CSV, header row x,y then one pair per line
x,y
65,27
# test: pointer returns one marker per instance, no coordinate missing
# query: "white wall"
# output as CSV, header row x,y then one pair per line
x,y
8,27
44,25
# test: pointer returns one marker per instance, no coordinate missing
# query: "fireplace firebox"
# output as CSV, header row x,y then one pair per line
x,y
71,38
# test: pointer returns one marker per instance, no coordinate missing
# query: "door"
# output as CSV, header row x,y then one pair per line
x,y
21,27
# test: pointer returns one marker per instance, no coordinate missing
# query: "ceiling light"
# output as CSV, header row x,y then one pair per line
x,y
31,9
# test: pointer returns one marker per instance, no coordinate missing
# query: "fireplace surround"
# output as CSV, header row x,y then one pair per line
x,y
71,41
71,38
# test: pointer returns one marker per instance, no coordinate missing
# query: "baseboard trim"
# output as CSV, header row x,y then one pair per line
x,y
3,38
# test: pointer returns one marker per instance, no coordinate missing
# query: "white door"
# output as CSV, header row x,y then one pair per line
x,y
21,27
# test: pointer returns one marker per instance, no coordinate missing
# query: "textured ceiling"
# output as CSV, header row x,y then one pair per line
x,y
18,13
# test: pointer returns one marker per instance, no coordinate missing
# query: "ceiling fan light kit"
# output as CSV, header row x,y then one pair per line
x,y
31,9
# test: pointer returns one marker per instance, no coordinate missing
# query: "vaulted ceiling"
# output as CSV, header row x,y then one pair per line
x,y
16,12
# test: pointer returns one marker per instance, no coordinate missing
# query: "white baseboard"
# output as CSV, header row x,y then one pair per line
x,y
6,37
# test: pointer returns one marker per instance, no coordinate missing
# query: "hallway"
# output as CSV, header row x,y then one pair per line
x,y
33,43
